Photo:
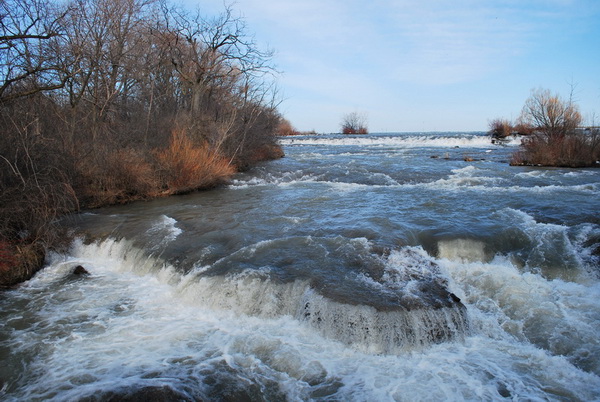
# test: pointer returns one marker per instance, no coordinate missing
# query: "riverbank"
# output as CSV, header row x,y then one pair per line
x,y
103,119
191,169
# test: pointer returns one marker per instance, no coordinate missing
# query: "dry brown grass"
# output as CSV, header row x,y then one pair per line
x,y
19,263
285,128
267,152
186,166
575,150
500,128
8,258
114,177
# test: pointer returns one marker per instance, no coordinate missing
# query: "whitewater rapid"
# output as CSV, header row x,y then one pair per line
x,y
373,272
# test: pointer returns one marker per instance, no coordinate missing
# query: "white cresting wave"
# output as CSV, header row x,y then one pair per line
x,y
468,178
137,322
475,178
402,141
163,231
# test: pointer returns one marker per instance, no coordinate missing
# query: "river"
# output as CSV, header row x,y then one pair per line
x,y
383,267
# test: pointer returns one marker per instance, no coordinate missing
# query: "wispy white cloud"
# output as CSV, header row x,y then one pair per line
x,y
434,42
352,52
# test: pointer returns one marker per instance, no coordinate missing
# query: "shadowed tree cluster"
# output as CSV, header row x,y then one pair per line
x,y
108,101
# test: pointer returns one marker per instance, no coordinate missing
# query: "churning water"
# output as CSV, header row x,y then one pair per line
x,y
368,268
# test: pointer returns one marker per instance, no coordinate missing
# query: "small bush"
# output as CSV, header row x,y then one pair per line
x,y
555,139
500,128
352,130
115,177
354,123
267,152
19,262
576,150
522,128
186,167
285,128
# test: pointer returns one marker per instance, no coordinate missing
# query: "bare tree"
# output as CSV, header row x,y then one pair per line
x,y
500,128
555,139
550,114
354,123
211,55
30,41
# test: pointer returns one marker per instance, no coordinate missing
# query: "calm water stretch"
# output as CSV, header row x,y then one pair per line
x,y
372,268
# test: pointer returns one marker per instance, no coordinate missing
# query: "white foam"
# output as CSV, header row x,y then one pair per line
x,y
477,179
465,250
287,179
533,173
558,316
136,322
162,232
552,251
399,141
473,178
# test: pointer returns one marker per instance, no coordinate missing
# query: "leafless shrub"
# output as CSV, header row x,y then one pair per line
x,y
500,128
576,150
34,188
555,139
187,167
117,176
354,123
285,128
523,128
550,114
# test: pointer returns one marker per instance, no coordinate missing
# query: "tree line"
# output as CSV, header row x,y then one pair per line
x,y
108,101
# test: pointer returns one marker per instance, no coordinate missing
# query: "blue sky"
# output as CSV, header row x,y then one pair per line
x,y
429,65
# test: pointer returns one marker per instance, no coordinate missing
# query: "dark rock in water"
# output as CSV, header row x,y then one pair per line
x,y
593,243
226,384
79,270
145,394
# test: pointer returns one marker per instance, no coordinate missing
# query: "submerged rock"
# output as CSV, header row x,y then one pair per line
x,y
79,270
144,394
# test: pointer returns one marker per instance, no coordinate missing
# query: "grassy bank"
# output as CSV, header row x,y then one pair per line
x,y
112,101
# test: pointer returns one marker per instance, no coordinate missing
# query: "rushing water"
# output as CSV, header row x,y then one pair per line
x,y
368,268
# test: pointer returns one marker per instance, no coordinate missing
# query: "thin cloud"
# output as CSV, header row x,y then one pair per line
x,y
424,42
372,55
